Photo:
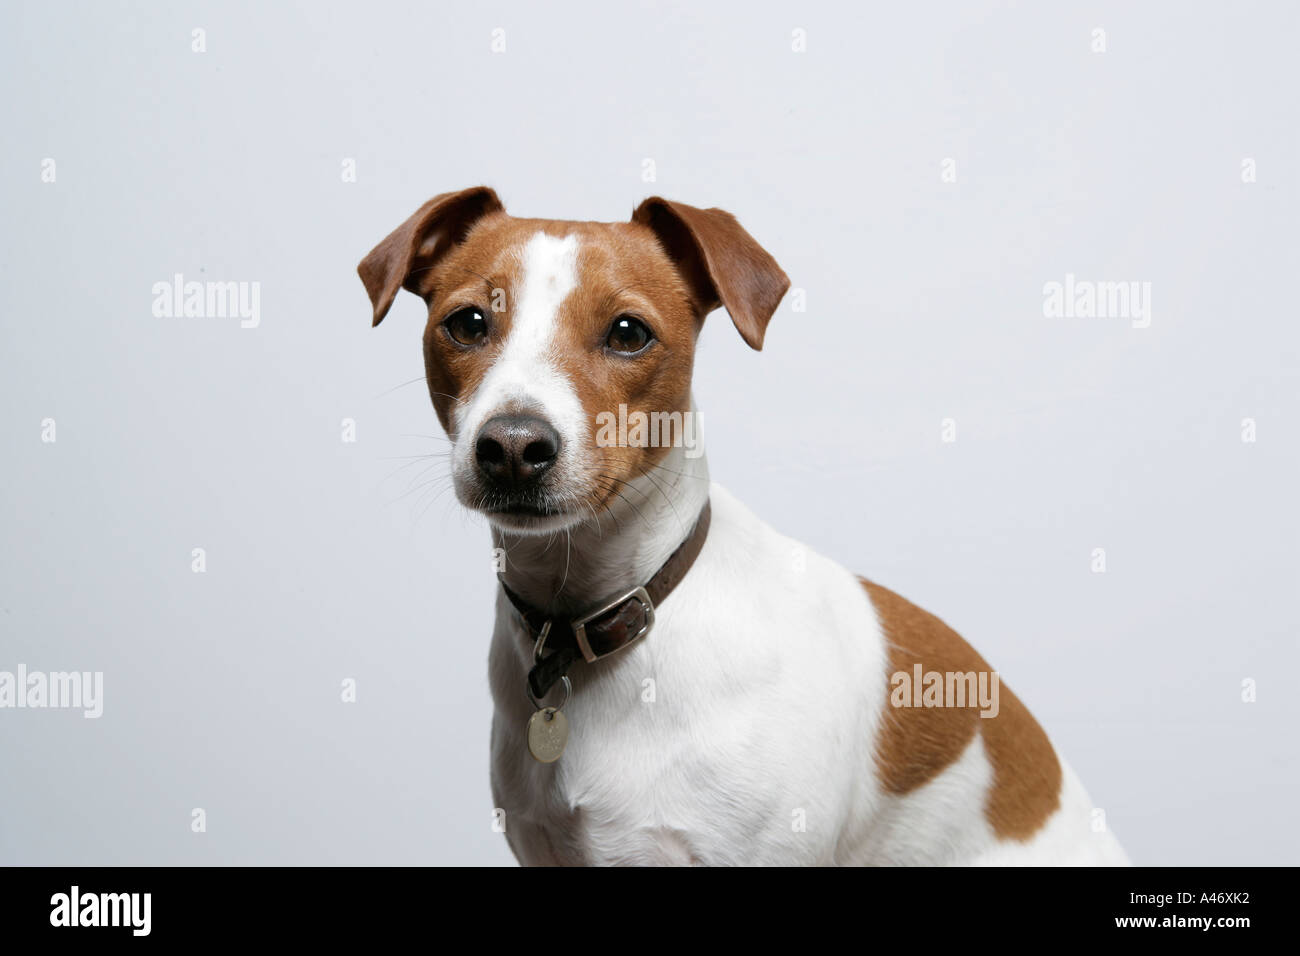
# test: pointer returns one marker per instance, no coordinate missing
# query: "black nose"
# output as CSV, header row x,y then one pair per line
x,y
514,451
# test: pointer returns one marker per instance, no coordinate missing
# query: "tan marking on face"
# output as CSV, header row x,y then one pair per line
x,y
483,271
918,743
623,271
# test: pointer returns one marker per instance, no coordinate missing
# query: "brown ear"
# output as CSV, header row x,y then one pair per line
x,y
721,261
417,243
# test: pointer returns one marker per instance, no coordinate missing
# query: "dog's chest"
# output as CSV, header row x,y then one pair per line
x,y
719,740
632,788
679,761
608,810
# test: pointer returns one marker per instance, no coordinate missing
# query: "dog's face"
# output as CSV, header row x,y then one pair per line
x,y
540,332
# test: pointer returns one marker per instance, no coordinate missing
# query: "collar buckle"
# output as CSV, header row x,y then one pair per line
x,y
579,625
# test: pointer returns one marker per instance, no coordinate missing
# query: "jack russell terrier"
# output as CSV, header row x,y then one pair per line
x,y
674,681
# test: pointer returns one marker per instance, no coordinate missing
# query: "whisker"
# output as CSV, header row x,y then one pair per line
x,y
430,504
682,474
667,498
458,401
403,385
632,506
644,495
422,488
400,468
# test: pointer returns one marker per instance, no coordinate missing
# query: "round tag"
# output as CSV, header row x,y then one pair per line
x,y
548,732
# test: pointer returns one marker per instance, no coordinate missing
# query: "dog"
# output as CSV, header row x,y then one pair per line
x,y
675,682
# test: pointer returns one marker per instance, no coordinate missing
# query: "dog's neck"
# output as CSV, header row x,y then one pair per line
x,y
618,549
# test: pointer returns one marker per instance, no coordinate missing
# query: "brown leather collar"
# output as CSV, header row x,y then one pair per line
x,y
612,626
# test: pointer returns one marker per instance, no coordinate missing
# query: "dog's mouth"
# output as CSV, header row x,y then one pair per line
x,y
532,513
523,509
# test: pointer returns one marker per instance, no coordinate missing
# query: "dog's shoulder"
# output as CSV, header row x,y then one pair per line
x,y
924,729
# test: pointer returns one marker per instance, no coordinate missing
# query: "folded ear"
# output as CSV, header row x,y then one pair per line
x,y
721,261
417,243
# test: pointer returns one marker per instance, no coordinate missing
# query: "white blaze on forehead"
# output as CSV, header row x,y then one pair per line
x,y
525,374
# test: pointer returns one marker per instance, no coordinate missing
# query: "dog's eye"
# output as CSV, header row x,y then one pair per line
x,y
628,335
466,326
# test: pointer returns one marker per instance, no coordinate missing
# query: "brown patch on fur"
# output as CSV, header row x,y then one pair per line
x,y
917,743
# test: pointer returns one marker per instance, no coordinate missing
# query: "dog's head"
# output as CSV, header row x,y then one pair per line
x,y
543,334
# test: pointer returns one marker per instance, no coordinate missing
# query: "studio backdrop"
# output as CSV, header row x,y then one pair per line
x,y
1036,372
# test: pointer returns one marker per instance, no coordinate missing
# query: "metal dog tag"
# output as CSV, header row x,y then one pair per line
x,y
548,733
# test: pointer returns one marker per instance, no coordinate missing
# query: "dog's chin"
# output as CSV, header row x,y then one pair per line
x,y
536,514
528,522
